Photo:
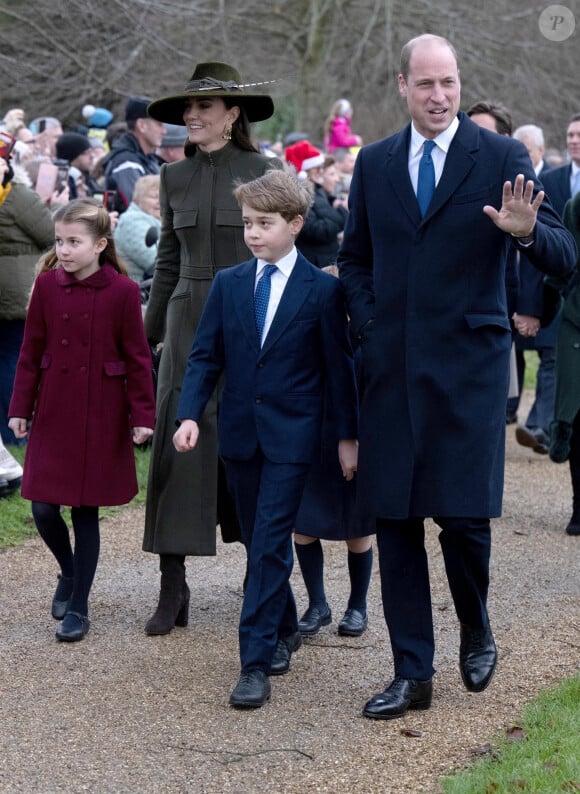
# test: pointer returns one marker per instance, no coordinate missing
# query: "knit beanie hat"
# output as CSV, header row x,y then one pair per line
x,y
70,144
97,117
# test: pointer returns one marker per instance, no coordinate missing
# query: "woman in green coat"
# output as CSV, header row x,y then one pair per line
x,y
201,233
565,429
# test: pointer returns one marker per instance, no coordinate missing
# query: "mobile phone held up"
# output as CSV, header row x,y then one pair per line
x,y
61,174
110,200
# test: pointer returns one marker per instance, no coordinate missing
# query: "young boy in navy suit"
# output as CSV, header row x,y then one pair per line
x,y
276,327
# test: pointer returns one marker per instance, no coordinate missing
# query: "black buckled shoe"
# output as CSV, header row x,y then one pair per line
x,y
313,620
285,647
477,657
73,628
404,694
573,527
251,691
353,623
62,596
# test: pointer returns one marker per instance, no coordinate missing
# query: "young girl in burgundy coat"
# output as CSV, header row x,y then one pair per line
x,y
84,380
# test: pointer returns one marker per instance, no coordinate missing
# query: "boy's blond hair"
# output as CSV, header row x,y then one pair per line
x,y
277,191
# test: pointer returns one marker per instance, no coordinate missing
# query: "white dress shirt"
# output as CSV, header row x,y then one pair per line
x,y
439,152
278,281
574,176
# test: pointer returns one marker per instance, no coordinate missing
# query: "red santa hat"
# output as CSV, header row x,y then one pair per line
x,y
303,156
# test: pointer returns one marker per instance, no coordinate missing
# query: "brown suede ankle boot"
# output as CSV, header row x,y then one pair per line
x,y
173,607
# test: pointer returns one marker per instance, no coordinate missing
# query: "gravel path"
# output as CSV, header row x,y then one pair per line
x,y
122,712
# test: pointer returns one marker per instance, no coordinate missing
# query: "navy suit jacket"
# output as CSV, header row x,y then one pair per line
x,y
435,356
273,396
556,183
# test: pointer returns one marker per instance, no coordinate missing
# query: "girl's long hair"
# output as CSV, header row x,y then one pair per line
x,y
95,217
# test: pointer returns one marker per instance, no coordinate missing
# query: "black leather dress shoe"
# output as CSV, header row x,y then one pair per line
x,y
353,623
573,527
534,438
313,620
251,691
404,694
73,628
62,596
284,649
477,657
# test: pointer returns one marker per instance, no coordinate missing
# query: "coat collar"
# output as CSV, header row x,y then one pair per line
x,y
102,278
298,286
458,164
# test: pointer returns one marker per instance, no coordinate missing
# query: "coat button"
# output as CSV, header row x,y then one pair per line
x,y
85,316
64,370
65,317
258,400
576,345
68,290
261,365
83,369
64,342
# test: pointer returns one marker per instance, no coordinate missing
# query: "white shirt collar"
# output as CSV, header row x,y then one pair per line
x,y
443,140
286,264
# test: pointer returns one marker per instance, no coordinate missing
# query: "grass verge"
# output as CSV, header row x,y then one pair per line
x,y
541,755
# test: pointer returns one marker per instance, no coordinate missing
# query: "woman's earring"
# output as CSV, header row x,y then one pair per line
x,y
227,133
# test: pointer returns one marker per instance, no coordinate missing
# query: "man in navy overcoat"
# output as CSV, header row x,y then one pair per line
x,y
426,297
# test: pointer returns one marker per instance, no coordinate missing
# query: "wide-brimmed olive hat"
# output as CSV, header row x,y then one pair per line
x,y
213,79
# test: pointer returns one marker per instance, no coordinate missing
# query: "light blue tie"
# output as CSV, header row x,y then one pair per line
x,y
576,187
426,180
262,298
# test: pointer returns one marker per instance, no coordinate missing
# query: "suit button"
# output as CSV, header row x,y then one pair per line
x,y
258,400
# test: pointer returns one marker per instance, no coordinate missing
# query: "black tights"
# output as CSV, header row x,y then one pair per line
x,y
80,565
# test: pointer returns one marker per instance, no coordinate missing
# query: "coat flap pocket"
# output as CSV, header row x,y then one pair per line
x,y
114,368
184,218
228,218
45,361
479,319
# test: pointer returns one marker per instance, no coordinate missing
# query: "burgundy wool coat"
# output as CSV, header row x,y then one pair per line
x,y
84,378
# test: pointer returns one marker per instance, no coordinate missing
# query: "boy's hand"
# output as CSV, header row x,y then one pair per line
x,y
186,436
18,426
141,434
348,457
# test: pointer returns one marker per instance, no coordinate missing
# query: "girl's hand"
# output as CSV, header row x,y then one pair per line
x,y
141,434
186,436
348,457
18,426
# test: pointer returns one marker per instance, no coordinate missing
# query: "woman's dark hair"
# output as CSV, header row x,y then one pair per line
x,y
241,134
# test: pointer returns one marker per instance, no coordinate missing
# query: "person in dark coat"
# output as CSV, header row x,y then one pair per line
x,y
433,211
319,239
565,429
84,381
328,511
201,234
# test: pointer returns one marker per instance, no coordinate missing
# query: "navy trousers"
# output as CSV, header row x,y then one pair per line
x,y
405,588
267,497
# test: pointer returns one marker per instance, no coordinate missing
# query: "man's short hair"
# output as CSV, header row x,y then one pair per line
x,y
277,191
502,116
407,51
530,132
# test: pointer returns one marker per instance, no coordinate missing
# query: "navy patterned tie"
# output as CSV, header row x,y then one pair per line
x,y
262,298
426,180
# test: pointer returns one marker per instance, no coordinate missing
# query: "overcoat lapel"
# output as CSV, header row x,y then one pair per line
x,y
458,164
298,286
